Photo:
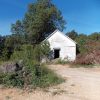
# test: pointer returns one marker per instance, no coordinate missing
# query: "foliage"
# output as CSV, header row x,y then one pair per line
x,y
45,48
31,74
95,36
88,43
42,50
43,77
59,61
17,28
25,52
11,43
72,34
18,32
86,46
1,62
12,79
88,59
2,41
81,40
41,19
28,52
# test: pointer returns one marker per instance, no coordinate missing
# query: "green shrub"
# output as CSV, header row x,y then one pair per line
x,y
91,58
59,61
41,76
1,62
41,50
31,75
45,77
12,79
26,52
32,72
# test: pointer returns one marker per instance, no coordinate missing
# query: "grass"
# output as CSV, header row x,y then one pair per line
x,y
80,65
49,78
1,62
62,62
97,65
32,76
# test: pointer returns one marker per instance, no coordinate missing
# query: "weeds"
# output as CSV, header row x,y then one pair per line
x,y
32,75
63,62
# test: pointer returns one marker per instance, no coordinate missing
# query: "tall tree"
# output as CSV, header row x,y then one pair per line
x,y
73,34
2,41
95,36
81,42
41,19
17,28
18,31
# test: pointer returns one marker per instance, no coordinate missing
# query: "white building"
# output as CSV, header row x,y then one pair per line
x,y
62,46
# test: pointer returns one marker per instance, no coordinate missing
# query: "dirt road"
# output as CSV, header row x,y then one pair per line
x,y
85,82
80,84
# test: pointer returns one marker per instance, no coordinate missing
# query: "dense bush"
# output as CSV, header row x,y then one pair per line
x,y
43,77
25,52
27,69
12,79
41,51
28,52
60,61
32,75
88,59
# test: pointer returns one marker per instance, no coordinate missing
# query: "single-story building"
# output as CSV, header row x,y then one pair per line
x,y
62,46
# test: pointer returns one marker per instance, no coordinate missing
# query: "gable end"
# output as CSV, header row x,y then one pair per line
x,y
61,33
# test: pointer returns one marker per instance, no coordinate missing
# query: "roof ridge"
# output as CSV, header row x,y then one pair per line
x,y
62,34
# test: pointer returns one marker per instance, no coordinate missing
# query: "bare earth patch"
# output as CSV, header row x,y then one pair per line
x,y
80,84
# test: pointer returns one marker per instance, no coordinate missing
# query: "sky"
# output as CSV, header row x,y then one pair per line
x,y
81,15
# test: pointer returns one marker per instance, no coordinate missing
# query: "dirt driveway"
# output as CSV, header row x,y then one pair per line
x,y
80,84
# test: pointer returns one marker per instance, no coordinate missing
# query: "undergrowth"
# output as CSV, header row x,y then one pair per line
x,y
31,74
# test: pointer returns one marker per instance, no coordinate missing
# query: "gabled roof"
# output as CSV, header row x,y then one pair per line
x,y
61,33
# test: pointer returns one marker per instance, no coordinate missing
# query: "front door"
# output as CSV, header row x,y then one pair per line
x,y
56,53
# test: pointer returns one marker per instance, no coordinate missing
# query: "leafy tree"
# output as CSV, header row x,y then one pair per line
x,y
41,50
81,40
17,28
2,41
41,19
32,53
88,43
95,36
12,42
18,32
73,35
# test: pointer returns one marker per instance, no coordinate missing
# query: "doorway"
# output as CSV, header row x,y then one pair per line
x,y
56,53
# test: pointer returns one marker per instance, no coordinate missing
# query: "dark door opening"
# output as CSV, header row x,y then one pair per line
x,y
56,53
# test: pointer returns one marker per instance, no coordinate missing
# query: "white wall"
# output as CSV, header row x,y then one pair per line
x,y
66,45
